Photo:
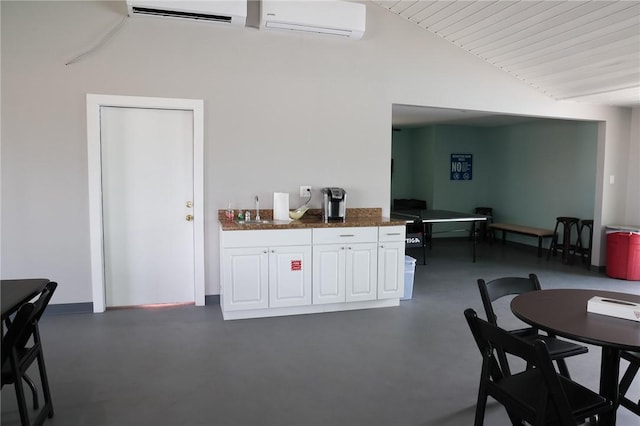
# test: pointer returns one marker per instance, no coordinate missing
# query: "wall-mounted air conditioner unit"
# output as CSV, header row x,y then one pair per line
x,y
232,12
332,17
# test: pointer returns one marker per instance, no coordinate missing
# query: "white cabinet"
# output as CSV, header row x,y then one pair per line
x,y
344,264
329,273
289,276
391,262
362,274
245,278
312,270
265,269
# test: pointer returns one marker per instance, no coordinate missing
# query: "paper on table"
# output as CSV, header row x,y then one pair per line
x,y
614,308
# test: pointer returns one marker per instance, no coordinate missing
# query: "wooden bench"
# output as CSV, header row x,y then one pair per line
x,y
523,230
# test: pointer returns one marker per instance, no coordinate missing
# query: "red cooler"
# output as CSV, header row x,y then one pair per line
x,y
623,252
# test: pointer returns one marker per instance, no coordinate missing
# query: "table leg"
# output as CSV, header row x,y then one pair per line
x,y
566,243
424,243
475,238
539,246
609,372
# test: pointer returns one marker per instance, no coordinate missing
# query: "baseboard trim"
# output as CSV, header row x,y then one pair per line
x,y
212,299
87,307
69,308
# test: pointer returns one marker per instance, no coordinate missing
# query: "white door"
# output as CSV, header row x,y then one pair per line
x,y
289,276
245,279
147,195
391,270
329,273
362,272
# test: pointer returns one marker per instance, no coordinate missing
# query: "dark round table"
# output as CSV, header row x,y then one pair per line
x,y
16,292
564,312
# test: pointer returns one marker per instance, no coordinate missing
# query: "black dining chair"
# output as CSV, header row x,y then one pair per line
x,y
537,395
584,249
481,229
566,224
491,291
21,347
26,378
627,379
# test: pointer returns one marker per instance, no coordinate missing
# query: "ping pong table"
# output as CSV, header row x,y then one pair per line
x,y
428,217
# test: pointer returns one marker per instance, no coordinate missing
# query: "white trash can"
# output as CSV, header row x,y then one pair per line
x,y
409,274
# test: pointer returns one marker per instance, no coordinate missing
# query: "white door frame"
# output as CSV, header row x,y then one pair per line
x,y
94,103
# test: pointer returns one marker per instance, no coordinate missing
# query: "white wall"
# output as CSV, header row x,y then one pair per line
x,y
282,110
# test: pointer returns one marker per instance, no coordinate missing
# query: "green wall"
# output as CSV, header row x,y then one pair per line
x,y
528,173
544,170
401,152
460,195
413,155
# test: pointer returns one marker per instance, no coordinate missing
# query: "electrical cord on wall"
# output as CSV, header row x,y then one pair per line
x,y
100,42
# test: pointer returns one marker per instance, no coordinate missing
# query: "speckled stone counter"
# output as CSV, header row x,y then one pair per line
x,y
356,217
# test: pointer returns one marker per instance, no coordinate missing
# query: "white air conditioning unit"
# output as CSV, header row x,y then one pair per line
x,y
232,12
332,17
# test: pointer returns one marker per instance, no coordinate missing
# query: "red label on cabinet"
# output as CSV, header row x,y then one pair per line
x,y
296,265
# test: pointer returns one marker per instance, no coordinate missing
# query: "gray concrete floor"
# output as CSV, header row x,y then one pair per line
x,y
415,364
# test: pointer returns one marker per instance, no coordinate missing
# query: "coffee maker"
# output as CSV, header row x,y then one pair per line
x,y
334,204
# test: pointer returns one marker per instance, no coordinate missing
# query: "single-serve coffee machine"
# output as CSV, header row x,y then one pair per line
x,y
334,204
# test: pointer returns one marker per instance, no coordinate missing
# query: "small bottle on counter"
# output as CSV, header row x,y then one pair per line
x,y
247,215
240,215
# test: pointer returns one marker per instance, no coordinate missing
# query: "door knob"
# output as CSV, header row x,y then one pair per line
x,y
189,204
189,217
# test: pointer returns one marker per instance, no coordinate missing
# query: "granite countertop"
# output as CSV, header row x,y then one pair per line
x,y
312,219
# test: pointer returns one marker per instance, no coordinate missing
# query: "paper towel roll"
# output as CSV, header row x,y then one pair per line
x,y
281,206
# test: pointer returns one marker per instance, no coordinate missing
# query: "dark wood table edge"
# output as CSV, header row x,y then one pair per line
x,y
36,286
576,337
610,357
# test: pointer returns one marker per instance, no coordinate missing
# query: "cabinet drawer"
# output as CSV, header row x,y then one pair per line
x,y
345,235
266,237
392,233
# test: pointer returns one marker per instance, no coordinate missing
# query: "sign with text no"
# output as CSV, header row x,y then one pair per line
x,y
461,167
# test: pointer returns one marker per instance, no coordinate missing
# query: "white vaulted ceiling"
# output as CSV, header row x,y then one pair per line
x,y
586,51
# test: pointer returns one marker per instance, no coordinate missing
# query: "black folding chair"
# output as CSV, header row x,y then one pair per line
x,y
21,346
493,290
537,395
627,379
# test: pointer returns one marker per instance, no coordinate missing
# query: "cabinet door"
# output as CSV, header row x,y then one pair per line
x,y
245,279
328,273
361,272
391,270
289,276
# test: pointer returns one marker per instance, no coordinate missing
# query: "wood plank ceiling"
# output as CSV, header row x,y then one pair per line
x,y
587,51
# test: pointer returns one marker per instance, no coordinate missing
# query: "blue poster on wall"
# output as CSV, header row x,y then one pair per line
x,y
461,166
